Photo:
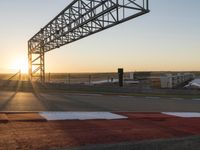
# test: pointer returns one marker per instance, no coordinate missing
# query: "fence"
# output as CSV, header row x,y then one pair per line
x,y
82,78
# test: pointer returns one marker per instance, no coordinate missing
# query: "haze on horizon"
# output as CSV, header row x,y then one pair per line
x,y
166,39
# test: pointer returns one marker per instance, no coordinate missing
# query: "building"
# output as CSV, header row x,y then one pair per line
x,y
171,81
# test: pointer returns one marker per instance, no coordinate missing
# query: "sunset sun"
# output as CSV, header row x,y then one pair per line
x,y
20,65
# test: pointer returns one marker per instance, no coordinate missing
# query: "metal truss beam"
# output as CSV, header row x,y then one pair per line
x,y
78,20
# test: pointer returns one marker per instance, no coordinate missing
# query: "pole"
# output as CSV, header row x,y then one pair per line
x,y
120,75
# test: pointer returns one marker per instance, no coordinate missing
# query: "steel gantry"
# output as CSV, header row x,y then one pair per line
x,y
79,19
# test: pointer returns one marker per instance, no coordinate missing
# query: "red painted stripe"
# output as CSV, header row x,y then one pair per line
x,y
139,126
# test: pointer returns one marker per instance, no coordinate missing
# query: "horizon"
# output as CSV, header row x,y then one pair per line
x,y
1,73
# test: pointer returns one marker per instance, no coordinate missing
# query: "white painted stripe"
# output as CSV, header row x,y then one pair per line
x,y
198,99
80,115
152,97
89,94
127,96
177,98
183,114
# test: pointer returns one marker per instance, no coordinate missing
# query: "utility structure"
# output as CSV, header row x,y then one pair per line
x,y
79,19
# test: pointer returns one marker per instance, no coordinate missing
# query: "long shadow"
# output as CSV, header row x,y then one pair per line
x,y
83,105
36,92
15,86
5,86
71,103
53,105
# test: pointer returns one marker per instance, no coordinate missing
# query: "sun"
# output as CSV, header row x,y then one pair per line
x,y
20,65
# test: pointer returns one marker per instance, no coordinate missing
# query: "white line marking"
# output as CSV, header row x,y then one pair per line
x,y
197,99
89,94
177,98
80,115
152,97
183,114
126,96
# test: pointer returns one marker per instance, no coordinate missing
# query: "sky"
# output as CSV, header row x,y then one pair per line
x,y
166,39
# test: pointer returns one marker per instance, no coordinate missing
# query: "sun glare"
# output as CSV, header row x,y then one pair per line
x,y
20,65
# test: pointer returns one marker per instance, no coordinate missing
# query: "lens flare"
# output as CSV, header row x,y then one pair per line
x,y
20,64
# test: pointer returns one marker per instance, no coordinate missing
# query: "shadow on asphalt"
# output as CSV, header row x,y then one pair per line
x,y
7,101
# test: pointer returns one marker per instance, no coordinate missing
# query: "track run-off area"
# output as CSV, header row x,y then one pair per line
x,y
73,121
110,130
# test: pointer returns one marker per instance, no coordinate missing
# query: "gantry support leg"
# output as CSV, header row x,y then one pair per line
x,y
37,65
29,65
42,65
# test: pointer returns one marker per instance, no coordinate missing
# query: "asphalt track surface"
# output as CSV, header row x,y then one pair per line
x,y
28,131
54,101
